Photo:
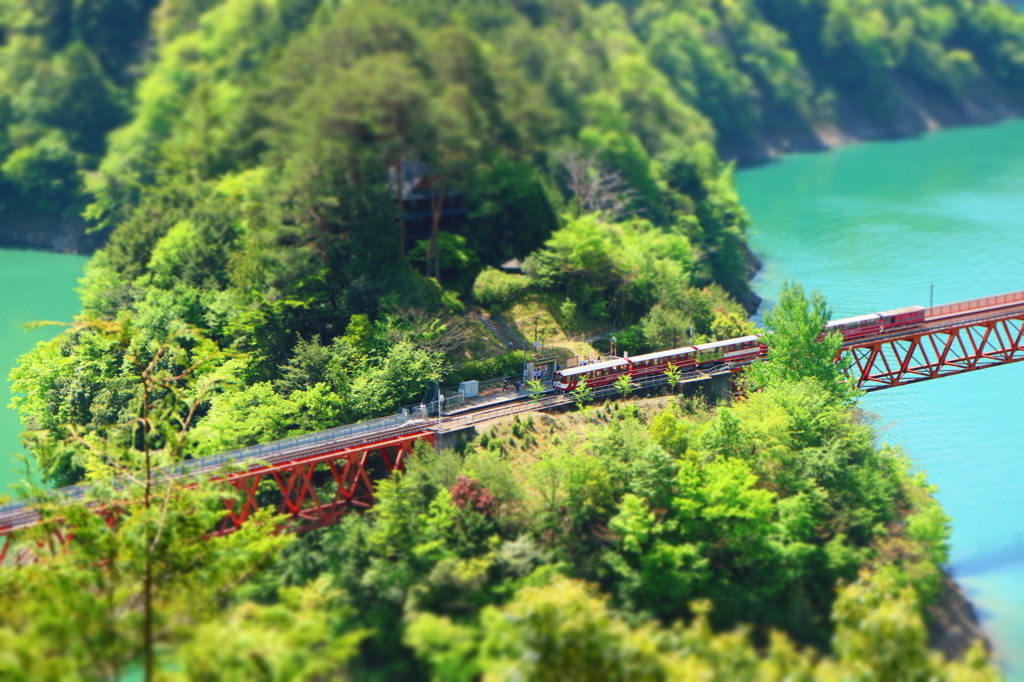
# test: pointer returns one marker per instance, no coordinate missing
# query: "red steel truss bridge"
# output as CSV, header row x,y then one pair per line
x,y
316,478
944,340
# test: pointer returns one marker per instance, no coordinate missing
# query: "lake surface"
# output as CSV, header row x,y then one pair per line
x,y
874,227
33,286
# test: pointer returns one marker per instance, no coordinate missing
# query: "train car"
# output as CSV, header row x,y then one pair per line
x,y
653,364
855,327
876,323
742,349
902,317
597,374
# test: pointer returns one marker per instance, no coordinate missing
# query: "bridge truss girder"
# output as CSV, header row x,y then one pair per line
x,y
931,354
317,491
312,492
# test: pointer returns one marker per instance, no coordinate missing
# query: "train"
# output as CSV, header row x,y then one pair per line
x,y
874,324
704,357
708,357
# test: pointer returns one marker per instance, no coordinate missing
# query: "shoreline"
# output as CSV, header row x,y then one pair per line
x,y
919,115
952,621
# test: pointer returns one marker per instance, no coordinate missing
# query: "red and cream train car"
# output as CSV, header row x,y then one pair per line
x,y
704,357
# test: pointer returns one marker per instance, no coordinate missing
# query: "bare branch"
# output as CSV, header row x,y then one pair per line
x,y
598,188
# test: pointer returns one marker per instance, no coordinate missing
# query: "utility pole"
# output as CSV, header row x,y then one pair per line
x,y
524,362
440,405
931,297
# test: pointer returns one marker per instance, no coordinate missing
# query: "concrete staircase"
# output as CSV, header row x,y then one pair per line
x,y
506,336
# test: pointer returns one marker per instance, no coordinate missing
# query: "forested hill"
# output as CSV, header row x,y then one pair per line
x,y
206,88
307,184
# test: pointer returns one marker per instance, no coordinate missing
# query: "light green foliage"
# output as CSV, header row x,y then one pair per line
x,y
306,635
496,288
625,263
258,414
562,632
582,394
399,379
449,648
624,385
730,325
565,630
97,582
794,349
84,384
131,587
879,629
673,374
536,388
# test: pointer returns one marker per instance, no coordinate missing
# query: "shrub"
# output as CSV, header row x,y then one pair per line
x,y
494,287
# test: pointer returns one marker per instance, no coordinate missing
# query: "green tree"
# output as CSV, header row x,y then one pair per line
x,y
624,385
563,631
132,578
798,347
673,375
582,394
536,388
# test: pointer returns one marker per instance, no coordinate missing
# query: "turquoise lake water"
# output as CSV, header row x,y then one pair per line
x,y
34,286
875,227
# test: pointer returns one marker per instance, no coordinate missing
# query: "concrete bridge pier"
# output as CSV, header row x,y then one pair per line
x,y
714,390
453,440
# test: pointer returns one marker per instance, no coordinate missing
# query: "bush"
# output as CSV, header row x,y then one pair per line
x,y
494,287
509,364
44,176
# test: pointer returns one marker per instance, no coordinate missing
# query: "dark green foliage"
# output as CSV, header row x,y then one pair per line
x,y
42,177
